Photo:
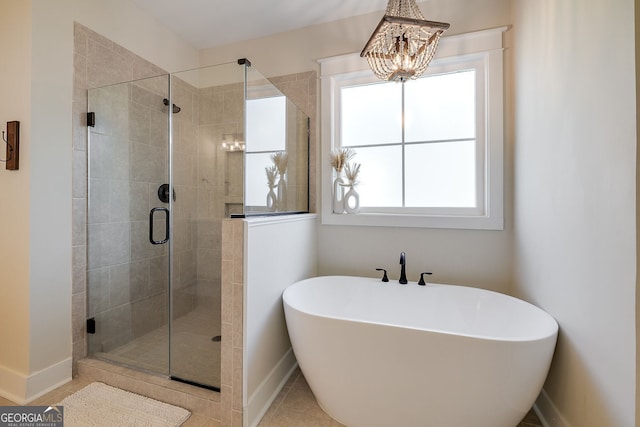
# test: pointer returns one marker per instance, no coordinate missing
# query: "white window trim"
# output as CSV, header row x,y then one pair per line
x,y
485,45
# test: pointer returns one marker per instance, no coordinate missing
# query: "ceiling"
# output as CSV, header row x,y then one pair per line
x,y
209,23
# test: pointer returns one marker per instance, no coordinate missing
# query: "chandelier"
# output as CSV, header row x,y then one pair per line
x,y
403,43
232,142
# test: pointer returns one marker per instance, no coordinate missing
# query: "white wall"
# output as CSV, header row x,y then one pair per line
x,y
467,257
298,50
39,284
15,43
575,172
279,252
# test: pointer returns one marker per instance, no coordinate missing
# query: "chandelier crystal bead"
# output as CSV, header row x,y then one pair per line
x,y
404,43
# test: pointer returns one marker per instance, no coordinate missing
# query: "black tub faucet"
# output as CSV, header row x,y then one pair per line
x,y
384,277
403,274
422,282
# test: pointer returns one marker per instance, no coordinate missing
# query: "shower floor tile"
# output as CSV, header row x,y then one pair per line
x,y
195,356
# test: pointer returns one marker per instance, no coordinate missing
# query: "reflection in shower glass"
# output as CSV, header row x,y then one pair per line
x,y
276,130
268,120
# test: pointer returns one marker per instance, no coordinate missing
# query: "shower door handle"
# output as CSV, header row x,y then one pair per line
x,y
166,235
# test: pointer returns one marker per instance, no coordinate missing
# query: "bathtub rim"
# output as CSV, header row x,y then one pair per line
x,y
548,332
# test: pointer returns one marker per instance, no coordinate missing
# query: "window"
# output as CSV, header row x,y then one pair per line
x,y
430,149
417,142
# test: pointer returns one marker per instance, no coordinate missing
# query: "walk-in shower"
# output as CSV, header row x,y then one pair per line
x,y
169,158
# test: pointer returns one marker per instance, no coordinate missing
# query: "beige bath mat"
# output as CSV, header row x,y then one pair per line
x,y
100,405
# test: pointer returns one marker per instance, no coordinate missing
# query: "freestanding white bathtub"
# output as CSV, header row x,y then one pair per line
x,y
385,354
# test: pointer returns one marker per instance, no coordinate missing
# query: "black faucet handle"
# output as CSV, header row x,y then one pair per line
x,y
421,281
403,275
384,277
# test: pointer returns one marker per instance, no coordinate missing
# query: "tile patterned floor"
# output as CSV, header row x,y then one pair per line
x,y
295,406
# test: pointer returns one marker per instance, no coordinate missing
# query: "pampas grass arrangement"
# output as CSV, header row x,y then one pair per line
x,y
280,160
340,157
351,171
272,198
272,174
351,199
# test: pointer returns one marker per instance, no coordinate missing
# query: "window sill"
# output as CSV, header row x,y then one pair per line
x,y
494,222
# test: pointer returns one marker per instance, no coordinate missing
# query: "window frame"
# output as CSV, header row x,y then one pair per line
x,y
482,51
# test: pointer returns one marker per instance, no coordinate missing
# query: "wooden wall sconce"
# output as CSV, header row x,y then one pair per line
x,y
12,141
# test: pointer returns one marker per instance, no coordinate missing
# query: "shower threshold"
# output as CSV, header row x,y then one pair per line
x,y
194,383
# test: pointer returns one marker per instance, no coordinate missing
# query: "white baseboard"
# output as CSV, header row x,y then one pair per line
x,y
42,382
22,389
269,388
13,385
547,412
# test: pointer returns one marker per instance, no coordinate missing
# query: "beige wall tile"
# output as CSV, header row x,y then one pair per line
x,y
225,405
232,295
226,374
80,39
237,378
79,262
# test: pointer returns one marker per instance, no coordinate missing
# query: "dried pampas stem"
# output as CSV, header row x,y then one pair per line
x,y
280,160
340,157
351,171
272,173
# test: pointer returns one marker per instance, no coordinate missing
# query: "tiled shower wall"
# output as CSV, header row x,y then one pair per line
x,y
208,185
97,62
219,179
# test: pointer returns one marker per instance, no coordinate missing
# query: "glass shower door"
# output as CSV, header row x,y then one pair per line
x,y
127,224
162,177
208,182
